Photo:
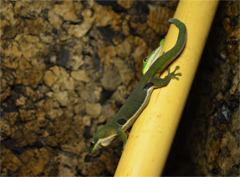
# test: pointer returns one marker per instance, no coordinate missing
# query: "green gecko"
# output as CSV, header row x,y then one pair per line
x,y
140,95
151,58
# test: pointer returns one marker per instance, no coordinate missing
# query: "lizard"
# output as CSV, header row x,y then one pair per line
x,y
139,97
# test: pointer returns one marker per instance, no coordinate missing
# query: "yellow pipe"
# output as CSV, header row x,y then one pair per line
x,y
152,134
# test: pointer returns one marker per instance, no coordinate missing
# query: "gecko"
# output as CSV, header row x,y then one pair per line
x,y
139,97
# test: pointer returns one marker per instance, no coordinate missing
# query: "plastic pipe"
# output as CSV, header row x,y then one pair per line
x,y
153,132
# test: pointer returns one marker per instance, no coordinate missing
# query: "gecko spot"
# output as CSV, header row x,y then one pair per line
x,y
121,121
148,86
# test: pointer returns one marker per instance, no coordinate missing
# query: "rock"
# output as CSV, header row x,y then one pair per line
x,y
21,101
219,96
93,109
4,25
26,115
58,79
30,46
81,162
91,92
111,165
229,142
212,149
44,153
102,119
126,73
4,171
9,160
94,128
32,78
6,129
8,32
30,69
55,113
125,4
235,121
45,105
81,30
66,11
120,95
68,111
51,141
76,148
10,54
86,120
65,129
125,27
61,97
109,110
51,76
111,79
31,93
11,117
18,137
54,20
94,168
140,50
23,65
75,62
4,85
28,9
65,171
65,82
33,162
7,11
235,85
37,26
159,14
29,138
5,90
80,75
33,126
53,59
73,97
41,121
124,49
225,163
107,55
110,17
79,107
45,38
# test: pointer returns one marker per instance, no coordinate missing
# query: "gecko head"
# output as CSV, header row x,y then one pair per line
x,y
152,57
145,65
103,137
93,150
95,145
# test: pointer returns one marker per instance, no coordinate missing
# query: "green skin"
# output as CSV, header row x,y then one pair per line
x,y
140,95
151,58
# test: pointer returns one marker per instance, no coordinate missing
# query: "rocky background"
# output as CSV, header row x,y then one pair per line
x,y
68,66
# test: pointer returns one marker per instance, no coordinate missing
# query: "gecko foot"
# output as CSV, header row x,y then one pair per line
x,y
173,75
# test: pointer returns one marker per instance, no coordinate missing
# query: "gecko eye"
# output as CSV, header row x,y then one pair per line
x,y
145,59
92,144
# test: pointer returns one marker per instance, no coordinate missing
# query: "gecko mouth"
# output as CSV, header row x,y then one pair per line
x,y
94,152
